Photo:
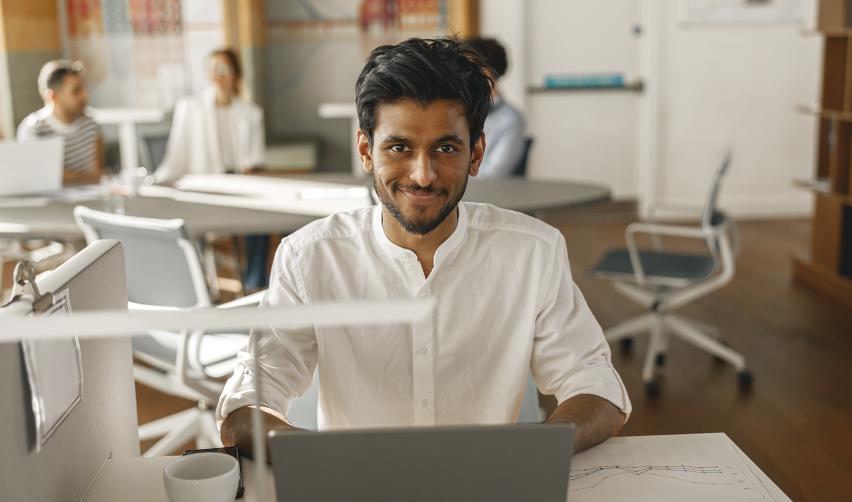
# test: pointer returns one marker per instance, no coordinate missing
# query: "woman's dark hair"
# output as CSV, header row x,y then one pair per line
x,y
492,52
233,60
424,70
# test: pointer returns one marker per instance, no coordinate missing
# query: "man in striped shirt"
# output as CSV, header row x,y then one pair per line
x,y
63,89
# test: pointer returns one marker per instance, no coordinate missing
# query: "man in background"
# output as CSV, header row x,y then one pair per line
x,y
61,85
504,127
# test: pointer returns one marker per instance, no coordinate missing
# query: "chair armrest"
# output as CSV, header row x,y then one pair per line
x,y
133,306
253,299
657,229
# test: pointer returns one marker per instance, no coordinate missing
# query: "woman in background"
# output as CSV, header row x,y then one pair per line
x,y
215,132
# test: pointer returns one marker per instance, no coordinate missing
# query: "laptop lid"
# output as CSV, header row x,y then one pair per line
x,y
32,167
481,463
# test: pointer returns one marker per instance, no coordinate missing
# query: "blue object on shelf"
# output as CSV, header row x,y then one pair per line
x,y
584,81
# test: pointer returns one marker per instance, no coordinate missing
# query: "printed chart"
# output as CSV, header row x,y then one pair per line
x,y
700,467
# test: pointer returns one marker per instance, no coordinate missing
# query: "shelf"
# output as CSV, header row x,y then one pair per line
x,y
636,86
822,186
823,280
828,32
826,114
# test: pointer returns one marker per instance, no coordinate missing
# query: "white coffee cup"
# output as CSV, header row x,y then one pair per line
x,y
208,476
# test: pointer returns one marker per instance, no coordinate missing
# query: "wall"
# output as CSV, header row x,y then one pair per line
x,y
707,89
29,37
734,86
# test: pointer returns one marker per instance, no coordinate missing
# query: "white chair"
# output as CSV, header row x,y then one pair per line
x,y
663,281
164,271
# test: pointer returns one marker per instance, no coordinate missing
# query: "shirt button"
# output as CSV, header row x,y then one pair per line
x,y
424,403
424,351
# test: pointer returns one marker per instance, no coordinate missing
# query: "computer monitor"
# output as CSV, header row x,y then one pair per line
x,y
31,168
494,463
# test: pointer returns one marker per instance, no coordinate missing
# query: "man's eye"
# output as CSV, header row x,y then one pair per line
x,y
397,148
446,149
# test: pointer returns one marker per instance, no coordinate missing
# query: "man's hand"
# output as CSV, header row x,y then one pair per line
x,y
236,429
596,419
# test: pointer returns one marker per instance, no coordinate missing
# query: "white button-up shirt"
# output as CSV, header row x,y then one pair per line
x,y
505,305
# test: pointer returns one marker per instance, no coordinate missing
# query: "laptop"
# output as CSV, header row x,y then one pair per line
x,y
31,168
471,464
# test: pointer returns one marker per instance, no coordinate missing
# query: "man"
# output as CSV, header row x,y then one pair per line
x,y
504,126
506,303
61,85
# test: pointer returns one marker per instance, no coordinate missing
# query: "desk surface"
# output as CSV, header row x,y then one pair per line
x,y
141,479
280,210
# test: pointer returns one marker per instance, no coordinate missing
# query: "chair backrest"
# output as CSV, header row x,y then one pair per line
x,y
521,170
162,264
711,216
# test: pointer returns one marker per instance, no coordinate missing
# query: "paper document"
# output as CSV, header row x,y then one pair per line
x,y
694,467
55,376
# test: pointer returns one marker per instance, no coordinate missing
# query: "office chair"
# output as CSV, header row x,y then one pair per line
x,y
521,170
164,272
663,281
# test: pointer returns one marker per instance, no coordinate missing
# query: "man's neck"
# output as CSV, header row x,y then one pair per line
x,y
63,116
424,246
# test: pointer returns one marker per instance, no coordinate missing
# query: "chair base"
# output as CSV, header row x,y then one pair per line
x,y
175,430
663,324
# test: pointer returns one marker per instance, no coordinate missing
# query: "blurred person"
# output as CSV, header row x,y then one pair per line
x,y
63,89
215,132
504,127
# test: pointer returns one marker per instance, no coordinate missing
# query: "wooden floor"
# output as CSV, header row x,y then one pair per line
x,y
796,424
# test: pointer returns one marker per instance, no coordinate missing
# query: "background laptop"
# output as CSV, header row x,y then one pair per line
x,y
31,168
485,463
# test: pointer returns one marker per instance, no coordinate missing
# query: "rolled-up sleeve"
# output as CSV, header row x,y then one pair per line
x,y
285,360
570,355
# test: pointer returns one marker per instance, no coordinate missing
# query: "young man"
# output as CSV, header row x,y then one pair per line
x,y
506,302
63,89
504,126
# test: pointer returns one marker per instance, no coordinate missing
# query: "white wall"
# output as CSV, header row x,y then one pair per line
x,y
734,87
708,89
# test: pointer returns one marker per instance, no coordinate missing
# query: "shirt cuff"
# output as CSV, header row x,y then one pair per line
x,y
602,381
240,391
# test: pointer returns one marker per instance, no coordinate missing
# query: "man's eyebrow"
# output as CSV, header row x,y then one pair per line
x,y
450,138
395,139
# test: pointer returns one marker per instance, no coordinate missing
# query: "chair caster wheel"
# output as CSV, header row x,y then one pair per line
x,y
745,379
626,345
660,360
652,389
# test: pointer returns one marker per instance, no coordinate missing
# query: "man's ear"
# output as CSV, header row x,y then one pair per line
x,y
364,151
476,155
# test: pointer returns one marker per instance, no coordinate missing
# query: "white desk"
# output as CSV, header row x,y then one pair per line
x,y
141,479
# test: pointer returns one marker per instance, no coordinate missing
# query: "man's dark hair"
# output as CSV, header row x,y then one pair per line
x,y
54,72
424,70
492,52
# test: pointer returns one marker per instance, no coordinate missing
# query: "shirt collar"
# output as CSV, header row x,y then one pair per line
x,y
398,252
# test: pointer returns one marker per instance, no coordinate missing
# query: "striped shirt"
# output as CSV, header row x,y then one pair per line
x,y
80,137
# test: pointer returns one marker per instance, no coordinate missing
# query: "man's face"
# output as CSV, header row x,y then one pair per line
x,y
420,160
71,96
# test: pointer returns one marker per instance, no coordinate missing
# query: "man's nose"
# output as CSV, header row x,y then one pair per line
x,y
422,171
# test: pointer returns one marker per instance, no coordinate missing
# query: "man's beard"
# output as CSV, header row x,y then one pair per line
x,y
417,227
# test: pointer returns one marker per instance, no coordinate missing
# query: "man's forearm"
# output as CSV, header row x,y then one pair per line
x,y
596,419
236,429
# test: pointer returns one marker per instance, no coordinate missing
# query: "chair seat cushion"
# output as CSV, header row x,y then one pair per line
x,y
657,265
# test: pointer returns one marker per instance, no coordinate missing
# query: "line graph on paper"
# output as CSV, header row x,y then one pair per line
x,y
712,475
679,468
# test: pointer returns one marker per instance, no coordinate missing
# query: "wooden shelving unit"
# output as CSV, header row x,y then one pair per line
x,y
829,268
